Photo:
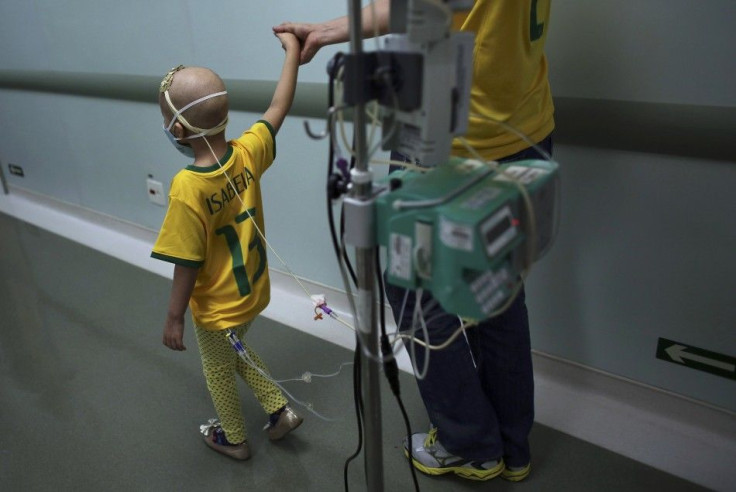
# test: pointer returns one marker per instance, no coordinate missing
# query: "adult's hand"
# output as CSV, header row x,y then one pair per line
x,y
311,37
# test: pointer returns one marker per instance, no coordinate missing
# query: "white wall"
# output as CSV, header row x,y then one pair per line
x,y
661,51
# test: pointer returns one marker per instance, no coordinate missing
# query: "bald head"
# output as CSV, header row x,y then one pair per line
x,y
189,84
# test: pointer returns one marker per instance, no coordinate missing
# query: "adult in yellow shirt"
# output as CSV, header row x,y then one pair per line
x,y
480,400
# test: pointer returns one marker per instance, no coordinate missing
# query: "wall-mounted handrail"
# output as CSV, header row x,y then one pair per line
x,y
310,100
705,132
673,129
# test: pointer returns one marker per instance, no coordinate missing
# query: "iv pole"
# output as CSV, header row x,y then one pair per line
x,y
367,337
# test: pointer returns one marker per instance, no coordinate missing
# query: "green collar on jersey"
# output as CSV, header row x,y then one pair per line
x,y
213,167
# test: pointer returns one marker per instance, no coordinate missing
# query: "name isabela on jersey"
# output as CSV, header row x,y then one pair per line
x,y
217,201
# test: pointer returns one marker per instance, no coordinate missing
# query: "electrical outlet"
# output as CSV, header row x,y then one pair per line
x,y
16,170
156,192
3,182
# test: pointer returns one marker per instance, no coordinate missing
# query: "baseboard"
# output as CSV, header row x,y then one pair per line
x,y
686,438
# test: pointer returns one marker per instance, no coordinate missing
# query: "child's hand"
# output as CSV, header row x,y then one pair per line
x,y
311,37
174,334
288,41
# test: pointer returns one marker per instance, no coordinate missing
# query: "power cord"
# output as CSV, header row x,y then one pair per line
x,y
391,368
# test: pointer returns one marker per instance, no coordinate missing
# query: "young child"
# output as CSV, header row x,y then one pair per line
x,y
211,235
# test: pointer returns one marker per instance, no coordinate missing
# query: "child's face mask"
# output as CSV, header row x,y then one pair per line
x,y
184,149
198,132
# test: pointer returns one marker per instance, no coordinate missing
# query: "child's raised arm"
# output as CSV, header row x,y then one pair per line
x,y
283,96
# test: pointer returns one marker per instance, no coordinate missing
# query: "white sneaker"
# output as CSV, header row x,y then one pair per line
x,y
430,457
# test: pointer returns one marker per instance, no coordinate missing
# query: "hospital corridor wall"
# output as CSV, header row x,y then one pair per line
x,y
645,114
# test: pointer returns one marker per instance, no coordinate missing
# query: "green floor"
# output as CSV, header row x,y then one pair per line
x,y
91,400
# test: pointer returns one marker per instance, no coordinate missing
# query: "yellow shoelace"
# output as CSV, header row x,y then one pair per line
x,y
431,438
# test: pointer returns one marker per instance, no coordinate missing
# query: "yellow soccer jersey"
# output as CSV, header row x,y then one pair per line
x,y
509,75
207,227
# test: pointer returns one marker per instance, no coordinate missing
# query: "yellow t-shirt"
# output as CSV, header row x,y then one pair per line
x,y
509,75
207,227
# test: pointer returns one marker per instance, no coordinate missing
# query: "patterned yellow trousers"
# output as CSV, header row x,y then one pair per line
x,y
220,363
